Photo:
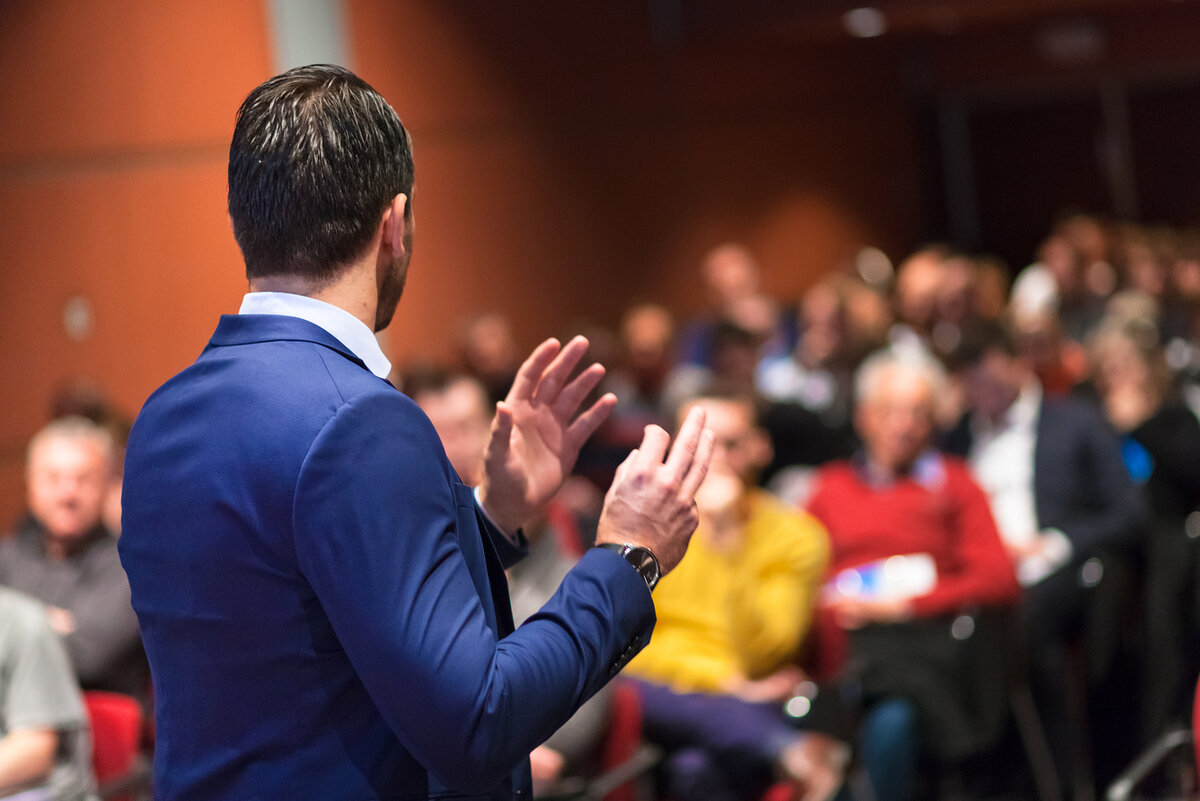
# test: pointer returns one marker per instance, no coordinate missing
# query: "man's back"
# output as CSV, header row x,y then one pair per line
x,y
211,473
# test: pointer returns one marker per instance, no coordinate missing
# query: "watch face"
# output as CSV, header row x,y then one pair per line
x,y
645,562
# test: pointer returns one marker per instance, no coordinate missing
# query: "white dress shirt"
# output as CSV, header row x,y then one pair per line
x,y
1001,460
336,321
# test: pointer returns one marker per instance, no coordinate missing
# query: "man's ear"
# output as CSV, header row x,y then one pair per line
x,y
395,224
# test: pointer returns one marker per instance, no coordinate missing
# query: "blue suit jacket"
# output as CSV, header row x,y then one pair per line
x,y
323,605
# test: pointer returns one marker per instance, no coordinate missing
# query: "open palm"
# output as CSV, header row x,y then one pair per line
x,y
536,435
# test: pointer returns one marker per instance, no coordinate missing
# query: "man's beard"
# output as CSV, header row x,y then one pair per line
x,y
390,290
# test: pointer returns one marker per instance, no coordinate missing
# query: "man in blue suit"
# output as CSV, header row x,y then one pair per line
x,y
322,600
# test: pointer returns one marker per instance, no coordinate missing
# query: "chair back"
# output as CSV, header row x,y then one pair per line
x,y
116,732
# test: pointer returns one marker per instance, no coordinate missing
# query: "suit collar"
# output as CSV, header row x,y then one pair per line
x,y
341,324
247,329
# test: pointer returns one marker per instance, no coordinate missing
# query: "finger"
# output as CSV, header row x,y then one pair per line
x,y
532,369
687,441
579,388
502,426
624,466
555,376
653,447
699,467
586,424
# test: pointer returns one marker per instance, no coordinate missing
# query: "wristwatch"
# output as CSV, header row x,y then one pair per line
x,y
643,561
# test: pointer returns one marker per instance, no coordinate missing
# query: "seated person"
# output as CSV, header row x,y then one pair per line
x,y
1160,439
899,497
44,743
731,618
1068,512
65,557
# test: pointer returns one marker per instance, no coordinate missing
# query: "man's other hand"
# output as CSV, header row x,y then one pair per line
x,y
536,436
652,503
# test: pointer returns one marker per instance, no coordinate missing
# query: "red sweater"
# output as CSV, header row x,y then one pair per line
x,y
941,512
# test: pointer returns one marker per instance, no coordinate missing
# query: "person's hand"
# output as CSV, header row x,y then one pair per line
x,y
534,441
777,687
546,765
854,613
652,503
61,620
816,765
1020,550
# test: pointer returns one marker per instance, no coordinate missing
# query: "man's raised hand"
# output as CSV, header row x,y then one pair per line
x,y
536,435
651,502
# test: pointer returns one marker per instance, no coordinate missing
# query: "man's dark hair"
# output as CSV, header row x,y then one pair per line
x,y
316,157
978,339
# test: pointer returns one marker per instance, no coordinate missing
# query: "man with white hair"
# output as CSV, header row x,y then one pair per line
x,y
64,556
891,618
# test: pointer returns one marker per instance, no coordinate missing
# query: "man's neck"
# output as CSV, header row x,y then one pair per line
x,y
352,289
60,549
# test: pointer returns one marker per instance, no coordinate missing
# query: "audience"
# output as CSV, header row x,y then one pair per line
x,y
731,619
732,282
45,747
914,545
1074,399
64,556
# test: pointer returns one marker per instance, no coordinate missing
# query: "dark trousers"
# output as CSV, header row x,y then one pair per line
x,y
719,748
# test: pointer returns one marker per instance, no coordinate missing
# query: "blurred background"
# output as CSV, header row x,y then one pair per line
x,y
572,158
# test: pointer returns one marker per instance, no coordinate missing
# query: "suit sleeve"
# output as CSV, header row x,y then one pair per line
x,y
1109,511
378,530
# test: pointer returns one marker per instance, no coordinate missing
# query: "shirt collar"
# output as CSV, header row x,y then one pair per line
x,y
928,471
1024,411
339,323
1021,415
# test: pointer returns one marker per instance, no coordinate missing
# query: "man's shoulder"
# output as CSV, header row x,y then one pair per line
x,y
1061,413
259,383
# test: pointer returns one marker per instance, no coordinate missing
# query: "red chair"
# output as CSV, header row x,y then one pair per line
x,y
116,745
624,754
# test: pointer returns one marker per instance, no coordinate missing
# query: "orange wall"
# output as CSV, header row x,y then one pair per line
x,y
114,129
566,165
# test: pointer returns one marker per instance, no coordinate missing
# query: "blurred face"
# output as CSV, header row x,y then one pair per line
x,y
824,325
491,349
994,383
1119,364
67,480
460,415
896,420
730,273
739,448
917,286
647,333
